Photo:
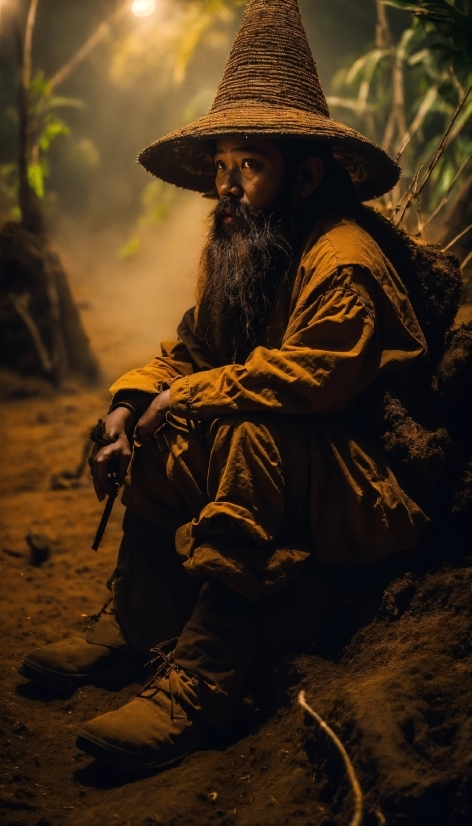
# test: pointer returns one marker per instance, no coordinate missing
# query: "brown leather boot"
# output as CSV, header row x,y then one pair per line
x,y
99,657
195,690
157,728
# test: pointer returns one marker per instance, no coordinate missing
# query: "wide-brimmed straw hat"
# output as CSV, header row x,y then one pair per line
x,y
270,87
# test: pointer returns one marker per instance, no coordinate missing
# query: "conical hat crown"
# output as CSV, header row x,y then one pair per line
x,y
270,87
271,61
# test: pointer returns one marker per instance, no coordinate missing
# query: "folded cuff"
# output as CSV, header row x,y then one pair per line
x,y
252,572
180,398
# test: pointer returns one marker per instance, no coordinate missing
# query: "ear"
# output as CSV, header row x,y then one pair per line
x,y
309,176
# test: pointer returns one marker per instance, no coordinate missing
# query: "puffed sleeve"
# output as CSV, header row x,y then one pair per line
x,y
329,353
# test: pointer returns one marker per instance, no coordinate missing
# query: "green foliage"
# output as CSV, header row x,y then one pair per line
x,y
52,127
36,175
129,249
412,118
451,21
44,127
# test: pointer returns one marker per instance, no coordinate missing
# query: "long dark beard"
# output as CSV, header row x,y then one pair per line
x,y
242,269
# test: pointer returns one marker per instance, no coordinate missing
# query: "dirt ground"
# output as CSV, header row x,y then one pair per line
x,y
394,682
398,695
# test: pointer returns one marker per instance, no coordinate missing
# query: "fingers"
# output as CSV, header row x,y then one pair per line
x,y
100,466
115,456
123,466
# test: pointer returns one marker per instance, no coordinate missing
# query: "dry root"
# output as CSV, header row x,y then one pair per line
x,y
356,789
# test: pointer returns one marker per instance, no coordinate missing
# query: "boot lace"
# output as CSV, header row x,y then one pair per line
x,y
167,668
95,617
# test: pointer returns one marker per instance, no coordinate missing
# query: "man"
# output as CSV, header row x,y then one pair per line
x,y
247,480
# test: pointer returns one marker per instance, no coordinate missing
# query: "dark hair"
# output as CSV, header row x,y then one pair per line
x,y
335,190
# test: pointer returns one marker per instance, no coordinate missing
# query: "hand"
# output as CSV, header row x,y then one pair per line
x,y
153,417
114,457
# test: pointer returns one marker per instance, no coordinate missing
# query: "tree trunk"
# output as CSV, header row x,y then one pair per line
x,y
69,345
80,358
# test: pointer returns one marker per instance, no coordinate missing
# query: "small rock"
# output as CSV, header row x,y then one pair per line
x,y
40,548
11,552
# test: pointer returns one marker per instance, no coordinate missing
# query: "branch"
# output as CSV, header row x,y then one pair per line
x,y
466,260
99,34
426,104
443,142
389,130
409,195
457,238
384,40
456,81
398,86
414,191
28,44
445,197
355,785
383,35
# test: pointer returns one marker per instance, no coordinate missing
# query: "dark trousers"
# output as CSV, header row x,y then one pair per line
x,y
218,631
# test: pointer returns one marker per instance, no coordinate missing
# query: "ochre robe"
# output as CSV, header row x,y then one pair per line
x,y
344,321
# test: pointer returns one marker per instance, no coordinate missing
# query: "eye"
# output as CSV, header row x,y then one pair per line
x,y
220,165
249,163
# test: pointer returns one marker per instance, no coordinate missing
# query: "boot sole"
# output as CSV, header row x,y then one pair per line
x,y
51,679
55,679
120,758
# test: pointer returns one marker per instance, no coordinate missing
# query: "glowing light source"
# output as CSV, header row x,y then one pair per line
x,y
143,8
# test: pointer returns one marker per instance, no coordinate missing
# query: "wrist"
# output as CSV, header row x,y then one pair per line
x,y
120,421
135,400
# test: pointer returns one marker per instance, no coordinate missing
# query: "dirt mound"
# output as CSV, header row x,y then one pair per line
x,y
41,330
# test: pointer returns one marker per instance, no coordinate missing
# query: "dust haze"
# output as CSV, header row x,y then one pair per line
x,y
129,306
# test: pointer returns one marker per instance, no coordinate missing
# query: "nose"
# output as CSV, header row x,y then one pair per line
x,y
230,185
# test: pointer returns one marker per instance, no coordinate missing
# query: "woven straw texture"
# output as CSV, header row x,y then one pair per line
x,y
270,86
271,61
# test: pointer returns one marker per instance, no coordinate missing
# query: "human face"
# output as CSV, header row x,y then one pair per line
x,y
250,169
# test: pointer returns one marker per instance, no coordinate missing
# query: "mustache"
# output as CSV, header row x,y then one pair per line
x,y
234,206
243,218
